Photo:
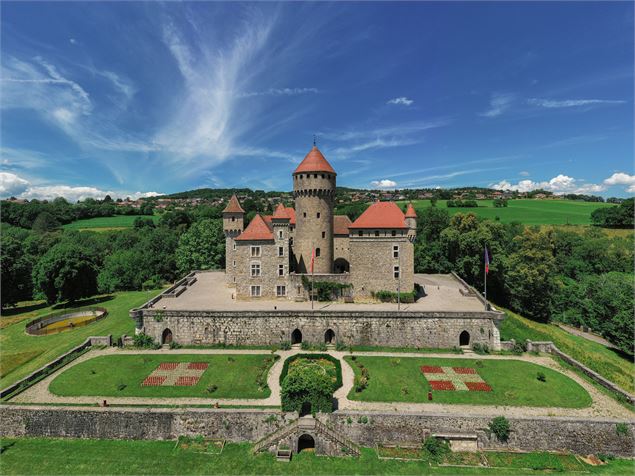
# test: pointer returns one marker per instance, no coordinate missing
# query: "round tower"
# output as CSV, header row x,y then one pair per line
x,y
314,194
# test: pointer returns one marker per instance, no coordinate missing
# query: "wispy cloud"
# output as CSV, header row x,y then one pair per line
x,y
573,141
279,92
564,103
400,101
498,104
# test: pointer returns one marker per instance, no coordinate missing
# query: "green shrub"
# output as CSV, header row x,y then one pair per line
x,y
286,345
144,341
541,377
519,348
390,296
340,347
480,348
212,388
321,347
360,383
175,345
499,426
621,429
121,386
363,420
305,346
436,449
336,362
307,385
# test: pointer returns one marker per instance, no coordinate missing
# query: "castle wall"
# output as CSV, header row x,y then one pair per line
x,y
391,329
341,248
269,262
372,263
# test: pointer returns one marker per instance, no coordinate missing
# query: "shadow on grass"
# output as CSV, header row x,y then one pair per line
x,y
20,309
83,302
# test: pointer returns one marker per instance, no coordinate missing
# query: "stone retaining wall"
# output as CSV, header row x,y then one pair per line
x,y
527,434
391,329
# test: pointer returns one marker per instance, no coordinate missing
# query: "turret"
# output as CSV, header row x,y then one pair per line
x,y
314,194
411,221
233,224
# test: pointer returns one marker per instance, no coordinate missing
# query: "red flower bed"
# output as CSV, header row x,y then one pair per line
x,y
168,366
441,385
197,366
478,387
464,370
430,369
154,381
186,381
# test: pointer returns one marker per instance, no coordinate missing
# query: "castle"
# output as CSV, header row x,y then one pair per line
x,y
276,255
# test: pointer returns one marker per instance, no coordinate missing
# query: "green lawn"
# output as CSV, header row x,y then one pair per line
x,y
235,376
22,354
607,362
528,211
75,456
513,382
117,221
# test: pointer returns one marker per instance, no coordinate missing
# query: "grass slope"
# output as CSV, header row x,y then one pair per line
x,y
528,211
74,456
109,223
607,362
513,383
234,375
22,354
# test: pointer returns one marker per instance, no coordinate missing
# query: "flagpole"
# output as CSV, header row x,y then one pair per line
x,y
312,278
485,275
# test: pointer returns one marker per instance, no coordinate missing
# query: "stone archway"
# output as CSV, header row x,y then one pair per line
x,y
166,337
340,265
296,337
329,337
306,442
464,338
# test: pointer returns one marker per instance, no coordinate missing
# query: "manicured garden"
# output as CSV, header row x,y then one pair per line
x,y
463,381
107,223
308,381
161,375
22,353
84,456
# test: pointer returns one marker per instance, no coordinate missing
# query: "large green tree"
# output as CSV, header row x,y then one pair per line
x,y
202,247
16,284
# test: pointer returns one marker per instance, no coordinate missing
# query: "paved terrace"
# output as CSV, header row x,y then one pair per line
x,y
210,293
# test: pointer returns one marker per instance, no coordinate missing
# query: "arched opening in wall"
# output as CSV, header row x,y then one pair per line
x,y
340,265
296,337
166,337
306,443
464,338
329,337
306,409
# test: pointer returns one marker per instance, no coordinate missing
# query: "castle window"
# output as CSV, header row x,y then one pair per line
x,y
255,251
281,291
255,269
233,218
322,175
234,246
318,214
304,214
394,233
280,270
280,234
396,272
255,291
395,251
323,234
317,252
280,251
360,233
376,232
234,263
291,241
300,175
314,175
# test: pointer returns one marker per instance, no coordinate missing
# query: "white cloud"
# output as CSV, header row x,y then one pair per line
x,y
12,185
559,184
620,178
524,173
631,189
385,183
280,92
498,104
555,104
72,41
401,101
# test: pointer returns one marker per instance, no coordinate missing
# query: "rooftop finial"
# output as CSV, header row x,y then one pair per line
x,y
314,140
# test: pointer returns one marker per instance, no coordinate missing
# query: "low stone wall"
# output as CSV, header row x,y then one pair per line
x,y
527,434
393,329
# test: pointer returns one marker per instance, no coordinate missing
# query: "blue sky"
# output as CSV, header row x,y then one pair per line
x,y
138,98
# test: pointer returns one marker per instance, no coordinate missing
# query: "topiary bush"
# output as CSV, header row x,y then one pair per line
x,y
499,426
307,385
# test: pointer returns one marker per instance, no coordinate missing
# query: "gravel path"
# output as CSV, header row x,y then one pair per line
x,y
602,406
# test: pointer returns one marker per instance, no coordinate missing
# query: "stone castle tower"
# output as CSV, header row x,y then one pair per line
x,y
233,225
314,194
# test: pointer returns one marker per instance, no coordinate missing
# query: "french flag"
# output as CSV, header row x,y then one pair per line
x,y
487,260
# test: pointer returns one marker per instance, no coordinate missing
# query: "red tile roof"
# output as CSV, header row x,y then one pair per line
x,y
341,224
381,215
280,212
233,206
410,212
314,162
256,230
291,213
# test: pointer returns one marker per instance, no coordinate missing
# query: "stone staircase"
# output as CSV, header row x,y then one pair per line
x,y
344,443
272,438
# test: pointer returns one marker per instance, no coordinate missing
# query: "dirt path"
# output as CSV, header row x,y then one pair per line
x,y
602,406
587,335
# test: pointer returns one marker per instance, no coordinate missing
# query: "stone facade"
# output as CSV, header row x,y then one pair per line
x,y
391,329
580,436
258,264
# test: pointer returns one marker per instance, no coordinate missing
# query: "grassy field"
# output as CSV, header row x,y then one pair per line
x,y
513,383
107,223
528,211
70,456
607,362
235,376
22,354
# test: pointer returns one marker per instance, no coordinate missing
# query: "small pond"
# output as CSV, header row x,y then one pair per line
x,y
65,321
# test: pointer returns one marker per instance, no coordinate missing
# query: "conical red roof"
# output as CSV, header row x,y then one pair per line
x,y
256,230
381,215
314,162
280,212
233,206
410,212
